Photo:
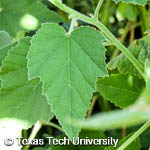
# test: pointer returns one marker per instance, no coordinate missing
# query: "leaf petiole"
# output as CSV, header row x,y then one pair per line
x,y
96,14
72,25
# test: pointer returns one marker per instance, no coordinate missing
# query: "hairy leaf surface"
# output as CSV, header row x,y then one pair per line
x,y
68,66
21,102
15,15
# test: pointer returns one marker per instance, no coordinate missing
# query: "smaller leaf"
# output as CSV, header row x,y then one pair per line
x,y
122,90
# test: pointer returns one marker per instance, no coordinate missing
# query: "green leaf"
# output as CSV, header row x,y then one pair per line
x,y
140,49
17,15
141,2
21,102
135,145
68,66
122,90
83,135
124,10
4,39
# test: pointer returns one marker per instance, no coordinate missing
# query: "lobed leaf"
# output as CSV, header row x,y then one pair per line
x,y
68,66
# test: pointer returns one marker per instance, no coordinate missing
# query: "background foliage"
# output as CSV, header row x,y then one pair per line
x,y
36,77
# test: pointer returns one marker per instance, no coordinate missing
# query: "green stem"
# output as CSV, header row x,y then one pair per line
x,y
96,14
92,106
37,127
116,51
144,18
34,132
106,13
134,136
52,125
25,133
108,43
72,25
108,34
103,104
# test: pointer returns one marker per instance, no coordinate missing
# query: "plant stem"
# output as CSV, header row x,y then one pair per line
x,y
108,34
92,106
124,131
103,104
25,133
120,46
107,43
144,18
96,14
52,125
106,13
134,136
126,30
34,132
37,127
72,25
